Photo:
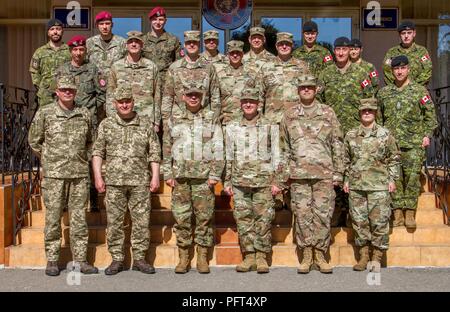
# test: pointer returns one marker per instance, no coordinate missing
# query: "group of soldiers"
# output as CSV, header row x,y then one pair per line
x,y
294,130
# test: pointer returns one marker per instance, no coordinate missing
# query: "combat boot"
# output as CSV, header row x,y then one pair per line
x,y
52,268
399,220
375,264
410,222
114,268
261,262
202,260
307,261
143,266
183,266
363,259
319,258
86,268
248,264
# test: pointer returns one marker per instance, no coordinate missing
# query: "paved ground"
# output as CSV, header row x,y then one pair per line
x,y
225,279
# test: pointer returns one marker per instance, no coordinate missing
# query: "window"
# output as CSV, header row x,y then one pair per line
x,y
178,25
122,25
331,28
274,25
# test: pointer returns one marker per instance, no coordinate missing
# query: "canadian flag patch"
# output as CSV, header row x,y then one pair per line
x,y
425,58
373,74
327,59
425,100
365,83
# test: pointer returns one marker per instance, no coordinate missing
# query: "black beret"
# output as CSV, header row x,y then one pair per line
x,y
310,26
341,42
406,25
356,43
54,22
400,60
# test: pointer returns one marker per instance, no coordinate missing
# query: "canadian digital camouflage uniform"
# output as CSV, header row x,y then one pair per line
x,y
43,66
317,58
312,151
371,72
372,161
62,139
192,154
143,79
420,64
250,171
103,54
128,148
409,113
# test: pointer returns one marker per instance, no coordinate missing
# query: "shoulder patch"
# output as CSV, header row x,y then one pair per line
x,y
425,99
365,83
388,61
425,58
35,63
373,74
327,59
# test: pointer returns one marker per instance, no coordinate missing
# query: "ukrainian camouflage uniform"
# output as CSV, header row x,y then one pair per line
x,y
409,113
312,152
43,66
219,58
193,153
372,162
250,171
103,55
143,78
61,138
420,64
317,59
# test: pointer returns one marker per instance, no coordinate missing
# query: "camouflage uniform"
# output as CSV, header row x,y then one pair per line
x,y
61,138
208,59
44,63
128,147
187,135
420,63
317,59
264,56
372,162
371,71
312,151
104,55
410,115
249,170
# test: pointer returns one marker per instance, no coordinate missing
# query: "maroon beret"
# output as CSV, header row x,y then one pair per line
x,y
158,11
77,41
102,16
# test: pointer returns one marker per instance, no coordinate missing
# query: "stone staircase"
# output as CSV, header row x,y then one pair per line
x,y
428,245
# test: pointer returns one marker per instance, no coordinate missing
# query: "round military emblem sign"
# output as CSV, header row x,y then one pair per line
x,y
227,14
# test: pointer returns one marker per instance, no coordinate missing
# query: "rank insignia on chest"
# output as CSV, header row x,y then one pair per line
x,y
425,100
373,74
365,83
327,59
105,56
399,105
425,58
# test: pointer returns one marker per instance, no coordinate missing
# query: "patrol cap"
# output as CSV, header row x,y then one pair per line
x,y
123,93
235,45
66,82
406,25
211,34
77,41
103,16
370,103
135,34
285,36
356,43
400,60
157,11
250,94
54,22
310,26
341,42
191,35
306,81
257,31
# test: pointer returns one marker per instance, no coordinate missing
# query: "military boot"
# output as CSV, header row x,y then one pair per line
x,y
143,266
86,268
248,264
202,260
307,261
261,262
52,268
399,220
319,259
410,221
114,268
183,266
375,264
363,259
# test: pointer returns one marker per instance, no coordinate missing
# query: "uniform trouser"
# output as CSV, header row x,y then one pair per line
x,y
312,202
193,197
58,194
370,212
254,213
408,186
137,200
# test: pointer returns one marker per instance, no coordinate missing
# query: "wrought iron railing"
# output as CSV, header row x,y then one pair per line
x,y
20,167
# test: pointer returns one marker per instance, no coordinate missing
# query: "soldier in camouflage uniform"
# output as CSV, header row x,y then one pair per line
x,y
356,50
141,75
372,163
192,166
316,56
181,73
60,135
257,55
409,113
345,84
211,53
46,60
249,176
420,64
127,178
312,152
